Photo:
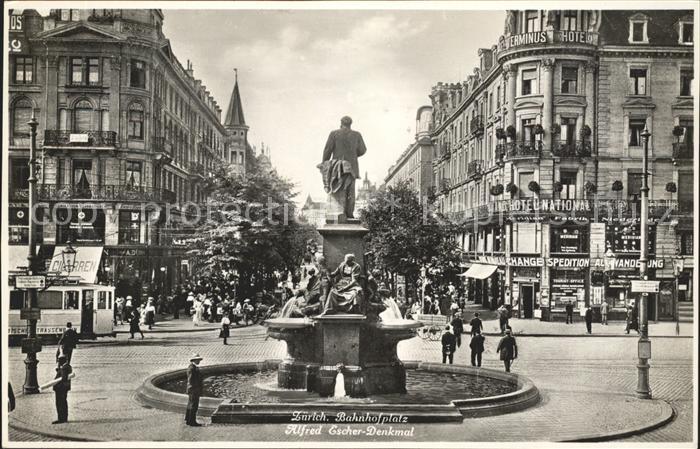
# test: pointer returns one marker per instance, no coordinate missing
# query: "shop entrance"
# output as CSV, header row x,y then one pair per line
x,y
527,293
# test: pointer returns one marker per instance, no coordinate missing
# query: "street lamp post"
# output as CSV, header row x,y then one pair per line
x,y
32,345
644,345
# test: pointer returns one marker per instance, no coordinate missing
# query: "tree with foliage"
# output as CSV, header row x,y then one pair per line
x,y
250,225
406,235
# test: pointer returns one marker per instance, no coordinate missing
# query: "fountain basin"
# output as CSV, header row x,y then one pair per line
x,y
266,404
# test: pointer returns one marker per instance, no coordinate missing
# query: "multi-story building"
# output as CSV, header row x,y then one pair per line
x,y
540,154
416,162
126,136
364,193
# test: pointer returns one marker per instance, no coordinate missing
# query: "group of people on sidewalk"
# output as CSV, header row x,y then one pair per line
x,y
452,339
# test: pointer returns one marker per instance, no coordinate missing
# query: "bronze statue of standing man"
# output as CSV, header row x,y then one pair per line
x,y
340,168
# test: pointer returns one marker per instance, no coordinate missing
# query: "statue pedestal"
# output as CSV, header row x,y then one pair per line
x,y
340,343
341,238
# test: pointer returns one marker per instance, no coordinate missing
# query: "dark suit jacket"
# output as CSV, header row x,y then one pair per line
x,y
345,144
63,372
69,339
194,380
477,343
508,348
449,342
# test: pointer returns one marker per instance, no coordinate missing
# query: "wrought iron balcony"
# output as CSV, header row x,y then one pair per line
x,y
49,192
522,150
682,150
476,126
475,168
575,148
61,138
162,150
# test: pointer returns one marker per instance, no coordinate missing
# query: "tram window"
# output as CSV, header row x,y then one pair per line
x,y
16,299
50,300
72,300
101,300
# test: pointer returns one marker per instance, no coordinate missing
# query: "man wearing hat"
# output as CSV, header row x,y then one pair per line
x,y
194,390
458,328
448,345
508,349
62,388
68,341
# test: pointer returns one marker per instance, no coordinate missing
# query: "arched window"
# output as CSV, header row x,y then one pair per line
x,y
82,116
136,121
21,114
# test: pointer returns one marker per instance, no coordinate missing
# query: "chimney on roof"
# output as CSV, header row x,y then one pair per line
x,y
190,69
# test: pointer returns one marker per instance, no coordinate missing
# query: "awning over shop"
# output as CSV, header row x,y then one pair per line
x,y
479,271
87,261
17,257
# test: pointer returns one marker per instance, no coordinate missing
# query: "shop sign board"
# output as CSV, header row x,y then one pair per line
x,y
547,37
30,281
645,286
564,262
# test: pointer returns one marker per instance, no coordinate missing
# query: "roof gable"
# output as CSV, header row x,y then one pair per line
x,y
80,31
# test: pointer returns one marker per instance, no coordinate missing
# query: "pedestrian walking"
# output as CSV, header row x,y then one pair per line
x,y
67,342
569,312
119,311
477,325
502,318
588,317
458,328
454,308
62,388
150,314
225,328
448,345
194,390
189,303
10,398
128,307
508,349
134,326
477,347
631,320
604,313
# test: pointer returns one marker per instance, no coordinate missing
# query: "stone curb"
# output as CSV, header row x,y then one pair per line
x,y
495,334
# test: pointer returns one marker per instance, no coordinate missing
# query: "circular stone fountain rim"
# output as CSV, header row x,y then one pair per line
x,y
525,395
300,323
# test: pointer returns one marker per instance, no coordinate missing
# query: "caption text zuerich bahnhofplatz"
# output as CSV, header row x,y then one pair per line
x,y
339,424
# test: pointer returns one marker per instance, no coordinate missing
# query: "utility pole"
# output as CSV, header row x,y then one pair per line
x,y
32,345
644,345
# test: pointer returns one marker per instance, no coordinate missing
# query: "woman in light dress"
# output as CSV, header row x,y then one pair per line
x,y
198,310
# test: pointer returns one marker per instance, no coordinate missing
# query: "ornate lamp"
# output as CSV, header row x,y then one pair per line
x,y
68,256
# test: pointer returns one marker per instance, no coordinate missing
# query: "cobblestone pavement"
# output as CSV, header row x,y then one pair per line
x,y
587,386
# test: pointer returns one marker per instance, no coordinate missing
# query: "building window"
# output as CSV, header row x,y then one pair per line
x,y
685,192
569,78
686,243
532,21
82,175
687,137
138,74
23,73
638,31
634,185
524,179
67,15
685,34
19,173
129,226
85,71
133,173
82,116
528,82
528,133
638,82
498,97
568,182
636,127
21,114
687,82
136,121
568,130
568,20
75,15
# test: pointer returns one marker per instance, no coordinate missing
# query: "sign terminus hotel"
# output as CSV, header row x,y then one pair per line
x,y
547,37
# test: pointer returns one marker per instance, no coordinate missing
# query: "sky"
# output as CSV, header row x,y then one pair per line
x,y
300,71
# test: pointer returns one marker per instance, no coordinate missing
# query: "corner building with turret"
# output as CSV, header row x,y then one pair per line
x,y
539,154
125,134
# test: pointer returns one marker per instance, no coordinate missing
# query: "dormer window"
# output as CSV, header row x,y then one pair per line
x,y
638,29
685,33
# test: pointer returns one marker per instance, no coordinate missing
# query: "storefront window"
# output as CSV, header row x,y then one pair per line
x,y
569,240
626,239
567,286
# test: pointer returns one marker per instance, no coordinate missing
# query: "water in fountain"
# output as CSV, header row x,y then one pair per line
x,y
339,386
392,312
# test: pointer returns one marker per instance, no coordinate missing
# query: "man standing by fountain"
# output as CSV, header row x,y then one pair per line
x,y
339,173
194,391
508,349
448,345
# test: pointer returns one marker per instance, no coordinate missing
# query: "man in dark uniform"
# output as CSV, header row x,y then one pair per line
x,y
477,347
508,349
476,324
343,144
458,328
448,345
68,341
62,388
589,319
194,391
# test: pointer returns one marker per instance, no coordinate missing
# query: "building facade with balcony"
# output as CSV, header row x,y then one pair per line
x,y
530,147
126,136
415,164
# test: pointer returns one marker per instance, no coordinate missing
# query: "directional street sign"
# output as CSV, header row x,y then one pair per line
x,y
645,286
30,281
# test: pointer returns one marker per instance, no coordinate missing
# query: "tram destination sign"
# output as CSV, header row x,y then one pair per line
x,y
30,281
645,286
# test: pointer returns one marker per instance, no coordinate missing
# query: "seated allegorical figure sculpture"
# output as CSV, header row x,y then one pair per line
x,y
345,295
306,301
